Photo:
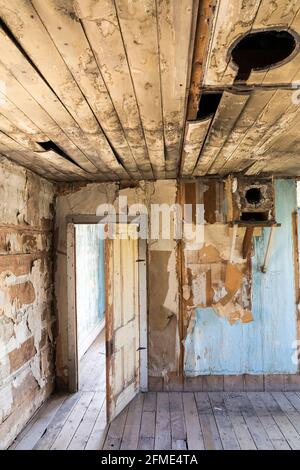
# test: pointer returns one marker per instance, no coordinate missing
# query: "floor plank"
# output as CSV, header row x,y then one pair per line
x,y
225,428
193,428
233,405
133,422
207,420
267,420
115,432
147,431
163,422
178,429
255,426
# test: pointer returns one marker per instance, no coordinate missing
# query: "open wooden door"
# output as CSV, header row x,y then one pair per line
x,y
122,319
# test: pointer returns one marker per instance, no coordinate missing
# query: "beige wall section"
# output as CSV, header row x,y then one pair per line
x,y
163,299
26,288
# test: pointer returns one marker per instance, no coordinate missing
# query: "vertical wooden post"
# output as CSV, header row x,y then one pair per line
x,y
72,319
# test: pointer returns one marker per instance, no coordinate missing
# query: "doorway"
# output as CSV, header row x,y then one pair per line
x,y
107,310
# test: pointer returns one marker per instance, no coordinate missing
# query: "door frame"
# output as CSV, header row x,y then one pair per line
x,y
73,362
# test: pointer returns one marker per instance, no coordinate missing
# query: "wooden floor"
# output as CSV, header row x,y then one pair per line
x,y
76,421
175,420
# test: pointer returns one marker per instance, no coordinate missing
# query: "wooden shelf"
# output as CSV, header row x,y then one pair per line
x,y
254,223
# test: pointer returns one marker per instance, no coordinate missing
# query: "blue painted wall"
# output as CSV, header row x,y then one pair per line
x,y
264,345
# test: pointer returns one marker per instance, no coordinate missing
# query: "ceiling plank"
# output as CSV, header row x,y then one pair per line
x,y
195,133
138,24
15,133
55,162
79,121
61,22
101,26
266,126
21,99
245,123
175,34
232,19
226,116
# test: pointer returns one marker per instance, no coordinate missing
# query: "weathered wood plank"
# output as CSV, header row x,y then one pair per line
x,y
115,431
60,21
132,426
195,133
226,431
68,430
178,429
163,423
102,28
207,420
138,23
233,406
274,433
193,428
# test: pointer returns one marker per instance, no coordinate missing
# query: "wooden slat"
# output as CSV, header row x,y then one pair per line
x,y
163,423
22,98
9,128
102,28
138,23
209,428
245,125
98,433
115,431
41,422
255,427
175,32
289,410
282,421
147,430
195,133
227,114
132,426
60,20
67,432
178,429
274,434
193,428
78,120
83,432
233,406
226,431
53,429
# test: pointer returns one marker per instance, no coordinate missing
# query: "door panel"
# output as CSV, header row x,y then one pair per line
x,y
122,330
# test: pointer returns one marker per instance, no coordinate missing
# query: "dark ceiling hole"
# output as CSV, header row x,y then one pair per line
x,y
253,196
208,105
261,50
50,145
255,216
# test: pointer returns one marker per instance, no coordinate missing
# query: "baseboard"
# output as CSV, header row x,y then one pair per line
x,y
227,383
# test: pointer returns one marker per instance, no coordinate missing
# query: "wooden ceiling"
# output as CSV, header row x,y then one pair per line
x,y
100,90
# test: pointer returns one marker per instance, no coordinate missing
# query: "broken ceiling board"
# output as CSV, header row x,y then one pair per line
x,y
102,28
88,137
175,23
55,165
66,31
245,123
267,125
9,128
231,19
138,23
195,133
228,112
18,105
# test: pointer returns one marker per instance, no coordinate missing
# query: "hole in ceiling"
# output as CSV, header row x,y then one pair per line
x,y
208,105
50,145
253,196
260,50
